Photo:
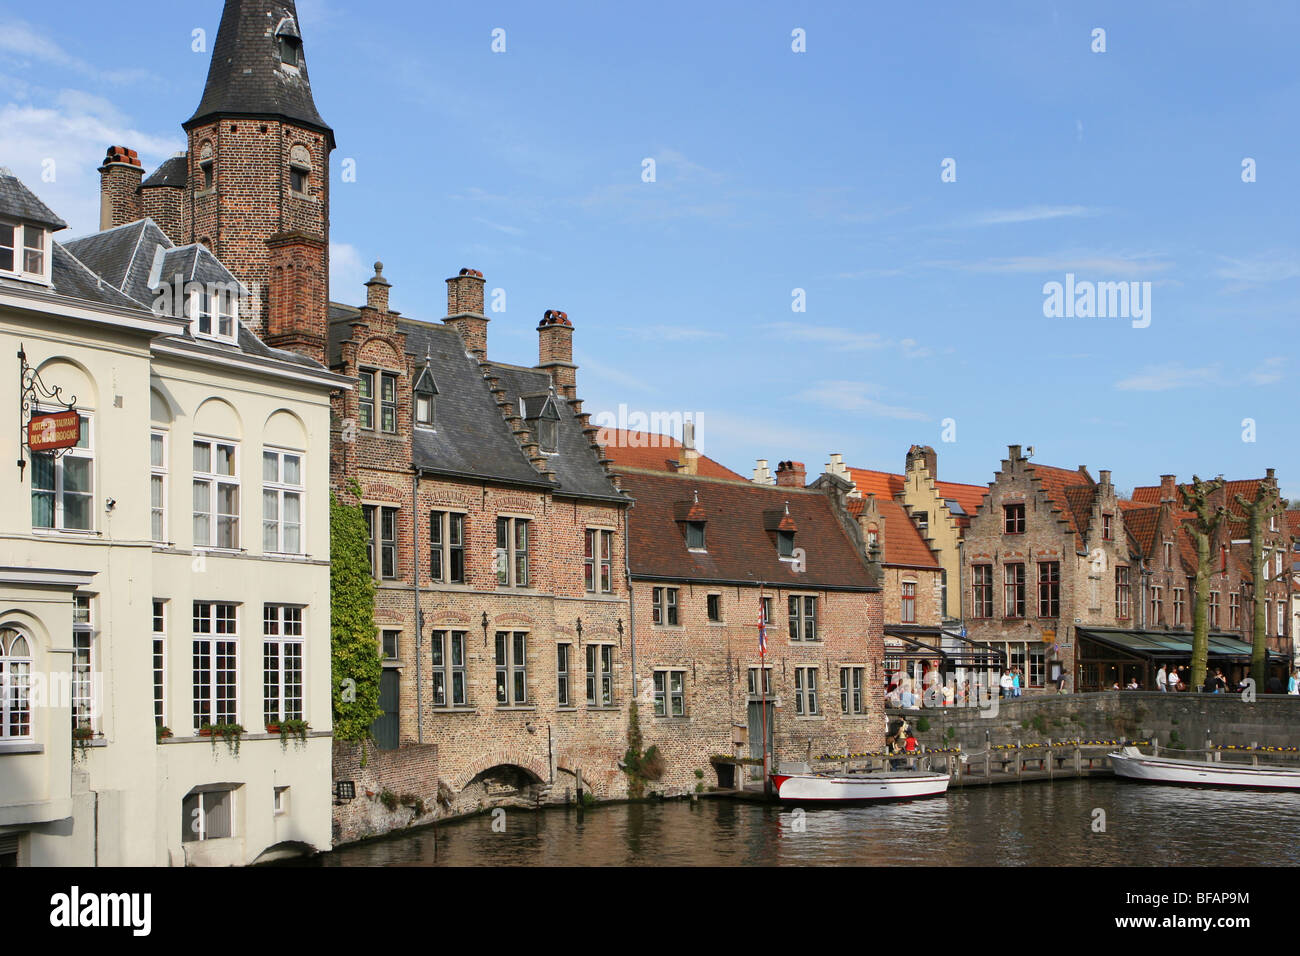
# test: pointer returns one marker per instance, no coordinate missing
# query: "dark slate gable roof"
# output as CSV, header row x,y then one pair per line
x,y
174,172
246,78
576,465
470,436
73,278
19,202
739,547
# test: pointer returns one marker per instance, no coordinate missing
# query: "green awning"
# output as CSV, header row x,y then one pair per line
x,y
1160,645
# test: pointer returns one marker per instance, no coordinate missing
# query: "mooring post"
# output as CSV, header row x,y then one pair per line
x,y
1019,758
1209,747
1254,753
1155,746
1050,761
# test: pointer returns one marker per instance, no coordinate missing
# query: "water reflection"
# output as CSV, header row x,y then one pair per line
x,y
1027,825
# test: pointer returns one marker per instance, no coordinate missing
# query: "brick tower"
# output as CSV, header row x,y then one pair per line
x,y
258,177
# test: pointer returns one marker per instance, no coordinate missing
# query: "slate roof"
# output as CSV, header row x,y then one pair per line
x,y
634,449
904,545
173,172
246,77
739,547
19,202
472,438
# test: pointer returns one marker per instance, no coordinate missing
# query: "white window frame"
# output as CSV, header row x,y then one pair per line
x,y
806,702
282,490
563,675
187,823
445,670
219,307
441,543
669,701
213,638
510,667
15,684
513,553
158,478
214,482
799,622
84,451
159,658
598,561
664,600
20,250
283,638
85,710
852,681
599,677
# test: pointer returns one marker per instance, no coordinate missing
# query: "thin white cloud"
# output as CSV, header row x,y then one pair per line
x,y
1248,272
1000,217
847,340
1092,264
348,273
1169,376
860,398
1270,373
671,333
21,44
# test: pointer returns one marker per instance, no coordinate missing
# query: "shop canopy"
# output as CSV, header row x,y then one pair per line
x,y
1177,646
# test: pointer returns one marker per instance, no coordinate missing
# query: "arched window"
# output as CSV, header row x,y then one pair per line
x,y
15,685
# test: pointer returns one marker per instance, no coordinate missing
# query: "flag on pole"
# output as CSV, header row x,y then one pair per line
x,y
762,630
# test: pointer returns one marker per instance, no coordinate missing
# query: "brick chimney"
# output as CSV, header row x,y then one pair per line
x,y
923,456
1104,474
297,300
791,474
1013,453
555,352
1168,488
690,463
465,310
119,188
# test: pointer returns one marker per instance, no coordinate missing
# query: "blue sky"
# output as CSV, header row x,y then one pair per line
x,y
777,171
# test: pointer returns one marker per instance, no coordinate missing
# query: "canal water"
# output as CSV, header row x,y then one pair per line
x,y
1038,824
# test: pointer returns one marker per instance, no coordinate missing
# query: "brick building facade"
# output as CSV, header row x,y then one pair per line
x,y
707,553
1045,554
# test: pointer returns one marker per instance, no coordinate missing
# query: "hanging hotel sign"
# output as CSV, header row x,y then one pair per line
x,y
54,431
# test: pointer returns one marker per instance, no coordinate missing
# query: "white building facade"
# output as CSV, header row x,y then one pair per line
x,y
168,573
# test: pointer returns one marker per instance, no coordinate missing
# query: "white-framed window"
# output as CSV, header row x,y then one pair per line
x,y
378,388
282,501
216,663
909,603
280,801
663,606
216,494
282,662
450,674
805,692
213,313
447,547
600,675
766,689
563,676
670,693
512,552
1179,605
158,486
84,710
390,643
208,815
802,611
851,701
15,684
424,409
160,663
597,561
381,540
23,251
63,488
1281,618
512,668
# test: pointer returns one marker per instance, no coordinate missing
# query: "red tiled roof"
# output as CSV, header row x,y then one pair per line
x,y
739,549
1142,524
1070,491
1293,522
970,497
904,545
882,484
630,449
1248,489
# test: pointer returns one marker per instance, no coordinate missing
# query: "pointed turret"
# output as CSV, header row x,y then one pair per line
x,y
258,68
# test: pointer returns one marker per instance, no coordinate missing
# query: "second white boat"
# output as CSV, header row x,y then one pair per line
x,y
858,788
1132,764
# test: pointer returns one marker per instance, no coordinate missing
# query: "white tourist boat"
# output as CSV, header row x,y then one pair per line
x,y
1132,764
807,787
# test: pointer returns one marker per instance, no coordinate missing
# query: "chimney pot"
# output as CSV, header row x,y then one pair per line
x,y
791,474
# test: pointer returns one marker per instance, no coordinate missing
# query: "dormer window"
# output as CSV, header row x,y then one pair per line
x,y
23,251
544,419
695,535
785,544
425,392
289,50
213,313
